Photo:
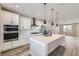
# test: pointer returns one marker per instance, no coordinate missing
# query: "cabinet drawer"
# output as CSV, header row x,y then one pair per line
x,y
6,46
15,43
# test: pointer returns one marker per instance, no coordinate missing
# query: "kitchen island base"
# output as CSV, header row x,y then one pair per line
x,y
42,47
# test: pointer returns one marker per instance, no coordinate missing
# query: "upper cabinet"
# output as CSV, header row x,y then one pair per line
x,y
25,23
10,18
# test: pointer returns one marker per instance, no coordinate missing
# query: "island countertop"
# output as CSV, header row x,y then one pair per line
x,y
45,39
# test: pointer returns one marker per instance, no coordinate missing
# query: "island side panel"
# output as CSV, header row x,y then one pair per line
x,y
38,48
52,46
62,41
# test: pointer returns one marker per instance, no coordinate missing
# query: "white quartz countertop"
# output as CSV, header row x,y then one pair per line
x,y
45,39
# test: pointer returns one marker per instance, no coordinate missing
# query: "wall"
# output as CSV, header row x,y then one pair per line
x,y
55,29
69,21
1,29
77,29
74,31
74,22
0,7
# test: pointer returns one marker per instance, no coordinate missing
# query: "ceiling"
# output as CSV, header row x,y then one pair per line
x,y
65,11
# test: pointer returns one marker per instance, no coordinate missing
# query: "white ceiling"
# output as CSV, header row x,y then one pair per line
x,y
65,11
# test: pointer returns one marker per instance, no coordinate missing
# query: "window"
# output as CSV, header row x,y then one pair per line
x,y
67,28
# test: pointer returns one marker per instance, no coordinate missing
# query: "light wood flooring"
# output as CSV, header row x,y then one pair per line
x,y
71,49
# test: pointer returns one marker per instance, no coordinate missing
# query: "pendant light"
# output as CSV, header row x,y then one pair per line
x,y
56,19
45,13
52,16
56,24
44,21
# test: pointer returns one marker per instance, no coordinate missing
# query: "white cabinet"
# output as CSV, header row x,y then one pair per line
x,y
15,19
23,36
18,43
25,23
10,18
6,46
15,43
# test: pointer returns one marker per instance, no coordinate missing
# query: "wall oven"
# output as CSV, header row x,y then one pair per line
x,y
10,32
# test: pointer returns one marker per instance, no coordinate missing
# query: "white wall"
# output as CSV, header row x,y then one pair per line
x,y
0,7
69,21
55,29
75,23
73,31
1,29
77,29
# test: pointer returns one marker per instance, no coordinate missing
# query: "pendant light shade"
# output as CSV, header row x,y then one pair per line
x,y
44,21
56,24
52,23
45,3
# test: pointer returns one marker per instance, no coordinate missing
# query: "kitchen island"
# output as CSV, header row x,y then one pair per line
x,y
41,45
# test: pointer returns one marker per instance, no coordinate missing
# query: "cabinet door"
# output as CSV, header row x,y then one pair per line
x,y
23,36
18,43
6,17
15,44
10,18
22,40
15,19
28,23
6,46
25,23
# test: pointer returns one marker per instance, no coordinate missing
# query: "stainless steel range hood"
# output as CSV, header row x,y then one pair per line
x,y
34,22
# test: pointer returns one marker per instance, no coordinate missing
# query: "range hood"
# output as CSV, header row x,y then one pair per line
x,y
34,22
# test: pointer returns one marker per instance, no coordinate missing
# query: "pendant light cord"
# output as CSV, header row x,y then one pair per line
x,y
56,18
45,11
52,16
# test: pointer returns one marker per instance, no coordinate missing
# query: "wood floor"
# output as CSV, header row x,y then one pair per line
x,y
72,46
71,49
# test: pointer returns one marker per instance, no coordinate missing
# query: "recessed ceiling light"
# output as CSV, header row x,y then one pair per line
x,y
61,4
17,6
38,14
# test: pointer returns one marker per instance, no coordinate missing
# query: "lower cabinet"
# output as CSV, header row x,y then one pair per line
x,y
6,46
13,44
18,43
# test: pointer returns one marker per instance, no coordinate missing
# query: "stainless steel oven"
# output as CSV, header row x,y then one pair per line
x,y
10,32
